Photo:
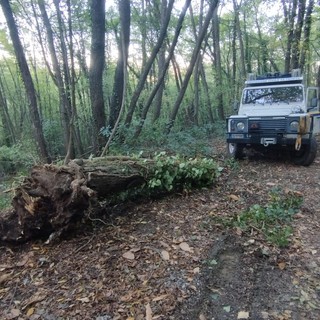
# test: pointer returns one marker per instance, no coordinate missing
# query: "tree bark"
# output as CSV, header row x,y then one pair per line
x,y
96,71
27,80
118,86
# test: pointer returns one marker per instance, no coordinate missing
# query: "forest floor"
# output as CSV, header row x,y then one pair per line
x,y
170,258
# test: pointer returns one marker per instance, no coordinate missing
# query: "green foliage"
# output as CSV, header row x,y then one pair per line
x,y
189,142
272,219
176,172
17,158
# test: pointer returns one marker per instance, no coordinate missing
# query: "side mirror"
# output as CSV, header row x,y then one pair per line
x,y
314,102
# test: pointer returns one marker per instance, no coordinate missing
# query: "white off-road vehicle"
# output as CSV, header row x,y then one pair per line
x,y
276,112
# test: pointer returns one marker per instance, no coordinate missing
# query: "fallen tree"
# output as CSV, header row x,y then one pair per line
x,y
55,198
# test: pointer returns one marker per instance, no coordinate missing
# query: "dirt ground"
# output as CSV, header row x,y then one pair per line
x,y
170,258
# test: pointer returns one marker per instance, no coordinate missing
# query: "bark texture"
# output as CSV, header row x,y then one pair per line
x,y
54,199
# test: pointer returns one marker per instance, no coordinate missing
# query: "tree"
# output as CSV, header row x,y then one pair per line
x,y
118,86
96,70
194,57
27,80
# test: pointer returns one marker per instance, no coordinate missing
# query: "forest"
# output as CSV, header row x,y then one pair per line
x,y
84,78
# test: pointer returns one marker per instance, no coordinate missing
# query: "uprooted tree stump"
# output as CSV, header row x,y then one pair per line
x,y
53,197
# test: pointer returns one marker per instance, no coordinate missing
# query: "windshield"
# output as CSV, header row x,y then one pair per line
x,y
272,95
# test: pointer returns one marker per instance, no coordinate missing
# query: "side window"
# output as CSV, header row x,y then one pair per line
x,y
312,99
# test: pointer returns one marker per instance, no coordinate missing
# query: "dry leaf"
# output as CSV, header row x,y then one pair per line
x,y
165,255
148,312
5,277
185,247
202,317
243,315
84,300
281,265
37,297
24,259
30,312
234,197
129,255
159,298
196,270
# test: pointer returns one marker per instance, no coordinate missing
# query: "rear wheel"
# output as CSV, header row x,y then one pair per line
x,y
235,150
306,155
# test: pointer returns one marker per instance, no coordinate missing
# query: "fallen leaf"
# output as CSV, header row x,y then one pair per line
x,y
148,312
234,197
196,270
281,265
185,247
37,297
129,255
84,300
24,259
14,313
202,317
30,312
159,298
165,255
243,315
227,308
5,277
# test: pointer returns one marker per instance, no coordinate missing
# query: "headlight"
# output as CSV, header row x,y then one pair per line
x,y
240,126
294,125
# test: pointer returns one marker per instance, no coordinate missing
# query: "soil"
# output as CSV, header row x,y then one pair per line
x,y
170,258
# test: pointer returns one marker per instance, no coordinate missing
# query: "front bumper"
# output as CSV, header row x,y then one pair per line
x,y
266,139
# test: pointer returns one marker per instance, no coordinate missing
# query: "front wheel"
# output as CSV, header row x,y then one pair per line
x,y
306,155
235,150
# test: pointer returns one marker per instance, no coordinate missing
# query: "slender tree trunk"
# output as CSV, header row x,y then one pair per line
x,y
306,35
5,120
289,16
57,75
161,66
164,71
297,35
217,64
196,50
117,93
236,7
96,71
27,80
143,77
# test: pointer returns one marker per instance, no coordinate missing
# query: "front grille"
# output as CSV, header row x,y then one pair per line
x,y
267,125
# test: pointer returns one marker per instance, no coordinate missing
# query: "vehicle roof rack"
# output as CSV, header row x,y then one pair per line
x,y
275,78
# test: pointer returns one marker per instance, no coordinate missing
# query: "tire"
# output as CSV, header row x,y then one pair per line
x,y
307,154
235,150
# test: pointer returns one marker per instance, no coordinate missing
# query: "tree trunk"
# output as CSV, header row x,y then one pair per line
x,y
306,35
295,59
96,71
217,65
193,60
27,80
58,78
164,70
143,77
118,85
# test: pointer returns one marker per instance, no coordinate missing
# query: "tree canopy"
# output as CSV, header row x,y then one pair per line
x,y
86,72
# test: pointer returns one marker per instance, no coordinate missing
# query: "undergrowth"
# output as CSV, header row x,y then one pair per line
x,y
272,220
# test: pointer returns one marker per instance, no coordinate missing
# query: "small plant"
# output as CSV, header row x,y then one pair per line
x,y
272,219
176,172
